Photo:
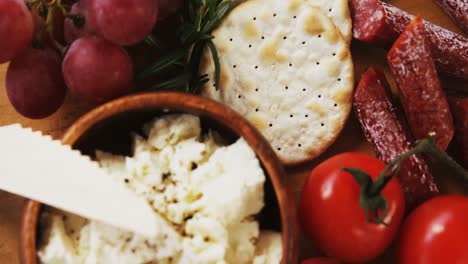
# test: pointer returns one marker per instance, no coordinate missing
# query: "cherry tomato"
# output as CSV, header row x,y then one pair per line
x,y
436,232
320,261
331,214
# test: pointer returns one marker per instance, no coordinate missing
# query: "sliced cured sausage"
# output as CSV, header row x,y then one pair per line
x,y
380,23
423,99
386,131
457,10
459,108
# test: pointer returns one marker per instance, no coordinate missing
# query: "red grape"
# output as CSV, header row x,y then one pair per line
x,y
16,28
97,70
34,83
71,31
123,22
169,7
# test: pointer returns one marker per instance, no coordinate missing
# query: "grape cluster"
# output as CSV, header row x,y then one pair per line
x,y
80,46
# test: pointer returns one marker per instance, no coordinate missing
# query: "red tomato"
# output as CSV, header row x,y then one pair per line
x,y
332,217
436,232
320,261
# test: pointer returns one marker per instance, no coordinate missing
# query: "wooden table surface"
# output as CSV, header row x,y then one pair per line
x,y
350,140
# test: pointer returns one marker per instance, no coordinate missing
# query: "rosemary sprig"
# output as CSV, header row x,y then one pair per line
x,y
180,67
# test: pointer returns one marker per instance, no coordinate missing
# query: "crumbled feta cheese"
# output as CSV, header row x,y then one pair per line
x,y
206,194
59,248
269,248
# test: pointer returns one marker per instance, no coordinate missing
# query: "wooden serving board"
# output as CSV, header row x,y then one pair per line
x,y
350,140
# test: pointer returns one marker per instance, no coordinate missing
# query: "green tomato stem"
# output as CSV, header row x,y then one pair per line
x,y
443,157
425,146
371,198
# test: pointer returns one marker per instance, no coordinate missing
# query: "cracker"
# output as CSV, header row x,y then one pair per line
x,y
336,10
287,69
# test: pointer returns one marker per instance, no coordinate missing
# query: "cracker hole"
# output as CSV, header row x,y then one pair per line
x,y
329,10
250,45
286,87
291,116
234,66
230,39
256,89
285,37
263,37
322,124
239,96
279,149
319,36
335,105
294,17
299,145
334,54
270,125
254,18
303,42
274,14
304,89
318,63
319,96
256,109
256,67
290,64
339,79
306,115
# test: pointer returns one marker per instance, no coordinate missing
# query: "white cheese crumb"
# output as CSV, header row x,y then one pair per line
x,y
269,248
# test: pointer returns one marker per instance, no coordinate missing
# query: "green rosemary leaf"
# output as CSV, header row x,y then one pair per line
x,y
188,33
179,64
202,79
198,82
212,8
191,10
221,11
199,18
195,57
153,42
162,64
214,54
205,37
175,83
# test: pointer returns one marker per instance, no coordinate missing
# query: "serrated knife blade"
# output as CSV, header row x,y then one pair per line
x,y
36,167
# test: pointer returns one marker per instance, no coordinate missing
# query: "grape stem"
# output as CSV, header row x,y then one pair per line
x,y
49,25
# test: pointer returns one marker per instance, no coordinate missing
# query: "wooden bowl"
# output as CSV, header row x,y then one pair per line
x,y
108,128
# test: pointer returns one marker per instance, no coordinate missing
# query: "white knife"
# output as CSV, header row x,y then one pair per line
x,y
42,169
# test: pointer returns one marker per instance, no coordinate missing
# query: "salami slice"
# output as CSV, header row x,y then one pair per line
x,y
459,108
386,131
380,23
458,11
421,94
